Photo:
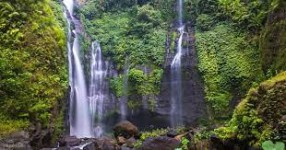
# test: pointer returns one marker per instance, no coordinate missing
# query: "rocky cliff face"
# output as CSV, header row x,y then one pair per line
x,y
273,37
194,107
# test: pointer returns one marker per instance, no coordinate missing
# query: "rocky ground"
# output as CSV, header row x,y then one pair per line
x,y
126,137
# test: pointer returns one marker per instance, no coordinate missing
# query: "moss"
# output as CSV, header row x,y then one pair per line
x,y
33,67
228,64
273,40
8,125
258,116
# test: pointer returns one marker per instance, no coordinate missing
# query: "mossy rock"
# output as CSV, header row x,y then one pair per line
x,y
260,115
125,129
273,40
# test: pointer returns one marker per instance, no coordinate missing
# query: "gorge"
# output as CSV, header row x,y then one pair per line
x,y
142,74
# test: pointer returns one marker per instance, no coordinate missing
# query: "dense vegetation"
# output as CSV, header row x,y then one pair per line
x,y
132,35
33,73
259,116
233,50
228,63
239,44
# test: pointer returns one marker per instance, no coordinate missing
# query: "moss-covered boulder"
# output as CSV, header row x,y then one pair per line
x,y
125,129
261,115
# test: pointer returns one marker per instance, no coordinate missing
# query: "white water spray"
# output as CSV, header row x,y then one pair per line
x,y
80,122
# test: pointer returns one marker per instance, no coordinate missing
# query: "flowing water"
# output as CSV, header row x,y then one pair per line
x,y
97,88
124,98
80,122
176,76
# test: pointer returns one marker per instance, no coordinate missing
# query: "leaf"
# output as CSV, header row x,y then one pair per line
x,y
267,145
279,146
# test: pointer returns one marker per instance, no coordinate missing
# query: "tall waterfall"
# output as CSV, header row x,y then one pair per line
x,y
80,122
176,89
97,88
124,98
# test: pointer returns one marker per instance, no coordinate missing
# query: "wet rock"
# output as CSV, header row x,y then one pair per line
x,y
106,143
88,144
125,129
124,147
121,140
16,141
130,142
69,141
193,103
39,136
172,133
160,143
233,144
202,145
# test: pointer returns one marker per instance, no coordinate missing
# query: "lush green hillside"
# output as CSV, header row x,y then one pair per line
x,y
238,45
33,73
228,63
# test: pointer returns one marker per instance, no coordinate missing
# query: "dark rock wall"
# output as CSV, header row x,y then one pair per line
x,y
273,40
194,107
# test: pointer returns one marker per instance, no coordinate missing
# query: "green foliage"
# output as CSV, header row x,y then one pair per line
x,y
195,8
116,84
33,69
228,64
250,14
202,134
269,145
153,133
8,125
259,116
204,22
138,84
121,35
135,31
184,144
138,144
136,76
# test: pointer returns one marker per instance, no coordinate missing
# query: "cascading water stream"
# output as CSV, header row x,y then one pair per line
x,y
97,88
176,76
124,98
80,122
145,97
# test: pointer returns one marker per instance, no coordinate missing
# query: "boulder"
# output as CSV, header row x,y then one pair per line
x,y
125,129
124,147
160,143
16,141
130,142
121,140
233,144
172,133
106,143
69,141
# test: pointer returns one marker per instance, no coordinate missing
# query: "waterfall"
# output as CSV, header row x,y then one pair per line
x,y
80,122
145,97
124,98
180,12
176,76
97,88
